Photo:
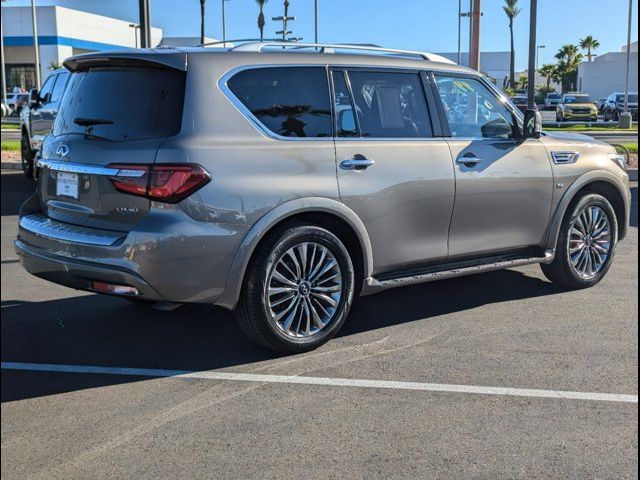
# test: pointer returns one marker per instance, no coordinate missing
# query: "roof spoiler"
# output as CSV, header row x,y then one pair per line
x,y
168,58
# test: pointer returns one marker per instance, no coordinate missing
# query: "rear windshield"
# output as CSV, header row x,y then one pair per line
x,y
633,98
122,103
553,95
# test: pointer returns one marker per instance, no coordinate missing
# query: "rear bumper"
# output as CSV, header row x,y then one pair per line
x,y
168,256
78,274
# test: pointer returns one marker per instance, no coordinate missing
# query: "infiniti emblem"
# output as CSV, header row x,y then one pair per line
x,y
62,150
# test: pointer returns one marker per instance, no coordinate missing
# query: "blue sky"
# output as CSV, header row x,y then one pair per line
x,y
413,24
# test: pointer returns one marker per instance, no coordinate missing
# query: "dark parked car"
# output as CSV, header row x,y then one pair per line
x,y
552,100
36,118
521,102
614,106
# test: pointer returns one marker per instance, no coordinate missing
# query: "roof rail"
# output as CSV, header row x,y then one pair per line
x,y
259,46
242,40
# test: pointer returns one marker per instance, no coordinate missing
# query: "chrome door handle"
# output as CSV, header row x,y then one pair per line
x,y
468,161
356,163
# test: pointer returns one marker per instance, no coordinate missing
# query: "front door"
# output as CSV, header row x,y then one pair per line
x,y
504,184
392,171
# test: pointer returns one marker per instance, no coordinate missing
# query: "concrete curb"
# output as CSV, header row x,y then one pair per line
x,y
11,166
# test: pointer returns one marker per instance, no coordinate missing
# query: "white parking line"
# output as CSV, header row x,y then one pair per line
x,y
322,381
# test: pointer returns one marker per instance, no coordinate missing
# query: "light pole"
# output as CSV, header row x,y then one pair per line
x,y
315,19
35,42
135,33
625,118
224,24
4,80
459,30
533,25
538,54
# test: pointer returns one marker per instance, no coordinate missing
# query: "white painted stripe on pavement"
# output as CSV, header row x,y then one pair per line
x,y
322,381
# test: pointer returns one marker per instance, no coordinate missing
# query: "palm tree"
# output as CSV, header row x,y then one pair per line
x,y
512,10
202,2
261,21
589,44
550,72
569,58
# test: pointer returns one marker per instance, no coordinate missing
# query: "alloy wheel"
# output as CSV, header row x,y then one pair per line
x,y
589,242
303,290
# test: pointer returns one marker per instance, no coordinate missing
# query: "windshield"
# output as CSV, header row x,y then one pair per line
x,y
577,99
553,96
121,104
519,100
633,98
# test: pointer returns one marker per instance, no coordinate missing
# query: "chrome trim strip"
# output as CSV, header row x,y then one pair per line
x,y
372,285
45,227
565,157
83,168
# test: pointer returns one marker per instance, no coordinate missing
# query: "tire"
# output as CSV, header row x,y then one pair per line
x,y
563,271
272,320
27,156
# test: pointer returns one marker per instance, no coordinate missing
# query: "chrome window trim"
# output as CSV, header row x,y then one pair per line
x,y
253,120
83,168
257,124
42,226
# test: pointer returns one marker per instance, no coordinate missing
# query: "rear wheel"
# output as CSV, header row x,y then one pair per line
x,y
26,156
298,290
586,244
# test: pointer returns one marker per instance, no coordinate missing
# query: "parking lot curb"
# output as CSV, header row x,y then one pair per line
x,y
11,166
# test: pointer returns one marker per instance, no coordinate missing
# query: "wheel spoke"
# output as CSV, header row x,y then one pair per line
x,y
330,264
325,298
276,290
296,264
302,249
282,279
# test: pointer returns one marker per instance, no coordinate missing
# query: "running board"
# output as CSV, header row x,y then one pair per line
x,y
373,285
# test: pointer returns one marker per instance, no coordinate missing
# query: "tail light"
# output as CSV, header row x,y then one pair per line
x,y
162,183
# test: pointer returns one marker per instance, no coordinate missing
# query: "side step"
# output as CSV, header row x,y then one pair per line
x,y
374,285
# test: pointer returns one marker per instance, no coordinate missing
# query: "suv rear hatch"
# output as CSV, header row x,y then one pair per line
x,y
117,111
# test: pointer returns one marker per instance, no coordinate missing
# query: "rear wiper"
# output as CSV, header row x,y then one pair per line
x,y
88,122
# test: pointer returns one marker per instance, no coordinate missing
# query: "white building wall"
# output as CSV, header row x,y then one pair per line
x,y
606,74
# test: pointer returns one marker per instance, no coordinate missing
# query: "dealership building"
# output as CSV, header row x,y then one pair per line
x,y
607,73
63,32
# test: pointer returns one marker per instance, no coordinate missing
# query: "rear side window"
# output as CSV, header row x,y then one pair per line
x,y
390,105
122,103
288,101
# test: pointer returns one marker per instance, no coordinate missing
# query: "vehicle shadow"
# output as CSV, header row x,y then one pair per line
x,y
105,331
16,188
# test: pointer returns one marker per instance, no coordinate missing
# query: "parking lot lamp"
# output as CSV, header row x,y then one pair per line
x,y
4,80
538,54
533,25
135,33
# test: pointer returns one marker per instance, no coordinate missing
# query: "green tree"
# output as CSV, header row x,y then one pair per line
x,y
261,21
550,72
589,44
569,58
512,10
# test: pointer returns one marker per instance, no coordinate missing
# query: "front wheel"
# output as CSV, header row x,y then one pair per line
x,y
298,290
586,244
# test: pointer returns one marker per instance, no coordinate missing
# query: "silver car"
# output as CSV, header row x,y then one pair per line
x,y
282,181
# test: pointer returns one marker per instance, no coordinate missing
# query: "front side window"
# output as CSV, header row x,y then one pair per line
x,y
472,110
58,88
390,105
45,91
288,101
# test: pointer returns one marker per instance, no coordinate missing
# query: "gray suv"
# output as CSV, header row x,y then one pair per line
x,y
282,181
36,120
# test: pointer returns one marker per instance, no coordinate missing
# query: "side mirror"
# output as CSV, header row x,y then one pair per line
x,y
34,98
532,124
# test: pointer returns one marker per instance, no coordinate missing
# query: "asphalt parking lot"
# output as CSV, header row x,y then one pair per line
x,y
473,348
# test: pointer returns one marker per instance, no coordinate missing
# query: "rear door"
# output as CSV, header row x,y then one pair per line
x,y
46,113
111,123
40,126
504,184
392,171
